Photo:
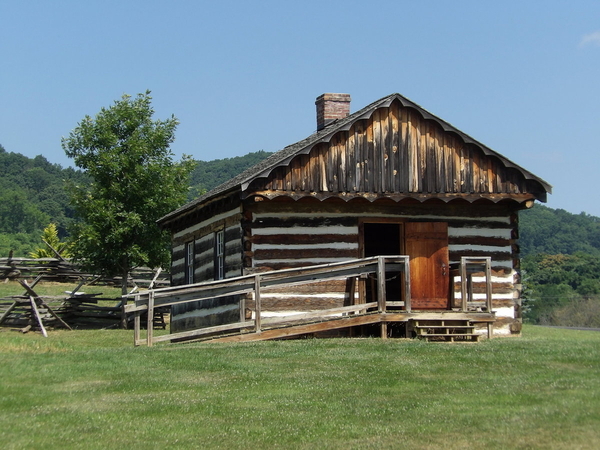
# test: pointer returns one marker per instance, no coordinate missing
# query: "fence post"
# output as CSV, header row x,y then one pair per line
x,y
123,313
381,293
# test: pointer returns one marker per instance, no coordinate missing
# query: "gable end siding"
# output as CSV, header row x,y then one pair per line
x,y
397,151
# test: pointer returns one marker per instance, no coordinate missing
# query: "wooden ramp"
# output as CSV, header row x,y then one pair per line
x,y
301,329
260,327
448,326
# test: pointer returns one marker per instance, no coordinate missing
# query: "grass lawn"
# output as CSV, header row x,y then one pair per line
x,y
93,389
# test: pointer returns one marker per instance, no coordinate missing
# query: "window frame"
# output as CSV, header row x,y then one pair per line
x,y
189,262
219,271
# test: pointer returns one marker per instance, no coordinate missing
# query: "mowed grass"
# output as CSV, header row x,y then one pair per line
x,y
93,389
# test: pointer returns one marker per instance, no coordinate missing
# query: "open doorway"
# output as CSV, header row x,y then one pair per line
x,y
381,239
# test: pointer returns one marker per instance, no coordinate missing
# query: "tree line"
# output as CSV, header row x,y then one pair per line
x,y
560,267
33,194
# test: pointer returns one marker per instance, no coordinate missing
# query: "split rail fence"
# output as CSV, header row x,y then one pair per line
x,y
32,311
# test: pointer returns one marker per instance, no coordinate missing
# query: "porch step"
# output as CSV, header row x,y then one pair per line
x,y
445,330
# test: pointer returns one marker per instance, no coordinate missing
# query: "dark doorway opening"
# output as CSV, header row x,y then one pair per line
x,y
381,239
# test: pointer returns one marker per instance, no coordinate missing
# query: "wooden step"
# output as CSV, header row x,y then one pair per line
x,y
445,330
444,327
442,337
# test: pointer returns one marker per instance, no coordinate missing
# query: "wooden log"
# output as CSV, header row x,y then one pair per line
x,y
37,316
8,311
34,298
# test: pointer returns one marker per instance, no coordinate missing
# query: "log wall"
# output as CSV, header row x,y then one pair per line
x,y
280,235
223,310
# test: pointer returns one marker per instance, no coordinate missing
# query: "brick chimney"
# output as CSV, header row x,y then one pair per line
x,y
331,107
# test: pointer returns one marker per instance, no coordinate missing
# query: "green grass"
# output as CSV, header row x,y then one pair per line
x,y
92,389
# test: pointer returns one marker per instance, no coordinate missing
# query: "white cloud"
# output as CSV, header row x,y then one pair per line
x,y
590,39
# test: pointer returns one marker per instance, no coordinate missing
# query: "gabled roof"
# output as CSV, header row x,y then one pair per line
x,y
284,156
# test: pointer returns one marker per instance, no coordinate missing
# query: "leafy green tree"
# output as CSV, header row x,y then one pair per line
x,y
134,182
553,282
52,245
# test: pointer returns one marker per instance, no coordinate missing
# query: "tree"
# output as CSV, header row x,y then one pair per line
x,y
134,182
52,247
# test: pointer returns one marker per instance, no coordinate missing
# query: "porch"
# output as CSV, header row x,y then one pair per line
x,y
379,310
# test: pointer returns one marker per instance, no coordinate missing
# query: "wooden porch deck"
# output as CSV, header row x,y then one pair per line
x,y
259,327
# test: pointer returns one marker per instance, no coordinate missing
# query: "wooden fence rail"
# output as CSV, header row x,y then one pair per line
x,y
147,301
60,269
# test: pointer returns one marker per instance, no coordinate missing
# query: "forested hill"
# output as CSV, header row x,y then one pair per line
x,y
210,174
554,231
33,195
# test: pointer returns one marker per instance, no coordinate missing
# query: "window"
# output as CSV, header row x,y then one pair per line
x,y
219,255
189,262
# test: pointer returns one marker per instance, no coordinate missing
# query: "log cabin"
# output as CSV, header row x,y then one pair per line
x,y
388,179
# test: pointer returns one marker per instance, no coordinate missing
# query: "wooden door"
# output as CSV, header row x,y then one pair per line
x,y
426,243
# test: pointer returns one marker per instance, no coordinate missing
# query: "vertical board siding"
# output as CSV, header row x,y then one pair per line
x,y
396,150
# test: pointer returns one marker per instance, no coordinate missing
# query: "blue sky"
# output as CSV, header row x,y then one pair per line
x,y
523,77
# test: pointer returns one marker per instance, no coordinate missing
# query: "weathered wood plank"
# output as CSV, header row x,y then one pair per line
x,y
394,146
351,161
278,321
279,333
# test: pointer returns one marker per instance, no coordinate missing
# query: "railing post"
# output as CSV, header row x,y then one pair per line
x,y
463,283
381,284
488,283
123,313
407,305
136,328
257,306
150,321
136,323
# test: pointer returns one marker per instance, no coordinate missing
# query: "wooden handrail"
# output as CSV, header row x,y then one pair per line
x,y
255,283
469,265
